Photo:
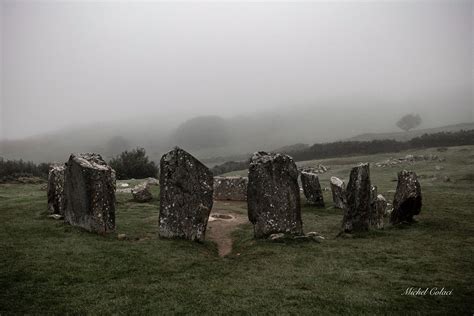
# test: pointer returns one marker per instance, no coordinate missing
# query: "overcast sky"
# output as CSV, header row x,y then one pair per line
x,y
69,63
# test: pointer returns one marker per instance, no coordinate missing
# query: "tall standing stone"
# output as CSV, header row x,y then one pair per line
x,y
312,188
56,190
185,196
89,190
273,196
338,193
407,199
358,212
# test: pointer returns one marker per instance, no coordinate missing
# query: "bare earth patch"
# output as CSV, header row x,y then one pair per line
x,y
224,219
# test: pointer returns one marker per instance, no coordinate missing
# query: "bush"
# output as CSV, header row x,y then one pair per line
x,y
13,169
133,164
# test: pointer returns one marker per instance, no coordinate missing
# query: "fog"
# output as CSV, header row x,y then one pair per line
x,y
348,67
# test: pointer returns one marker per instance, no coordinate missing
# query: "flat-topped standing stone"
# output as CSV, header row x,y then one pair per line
x,y
56,190
230,188
273,195
89,190
338,193
407,199
312,188
358,212
185,196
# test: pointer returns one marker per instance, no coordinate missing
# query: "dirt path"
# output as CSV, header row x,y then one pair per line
x,y
224,219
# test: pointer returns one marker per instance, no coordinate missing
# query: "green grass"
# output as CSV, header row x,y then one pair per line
x,y
47,267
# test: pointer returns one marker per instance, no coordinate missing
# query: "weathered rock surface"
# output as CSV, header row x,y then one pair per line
x,y
312,188
273,197
338,193
358,211
89,191
407,200
185,196
56,190
230,188
141,193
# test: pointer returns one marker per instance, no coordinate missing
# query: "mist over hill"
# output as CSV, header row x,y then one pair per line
x,y
210,137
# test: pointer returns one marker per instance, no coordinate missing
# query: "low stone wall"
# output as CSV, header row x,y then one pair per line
x,y
230,188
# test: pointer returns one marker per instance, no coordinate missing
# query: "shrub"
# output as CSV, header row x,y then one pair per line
x,y
134,164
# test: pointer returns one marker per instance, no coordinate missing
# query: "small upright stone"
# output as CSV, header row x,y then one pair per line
x,y
89,190
338,193
56,190
407,200
185,196
378,212
141,193
358,212
273,195
312,188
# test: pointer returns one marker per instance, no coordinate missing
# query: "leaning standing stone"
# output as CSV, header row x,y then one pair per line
x,y
358,211
312,188
56,190
273,196
185,196
338,193
407,200
89,190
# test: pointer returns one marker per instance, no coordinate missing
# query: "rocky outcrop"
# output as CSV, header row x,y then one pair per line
x,y
141,193
358,211
56,190
89,191
338,193
185,196
230,188
312,188
407,200
273,196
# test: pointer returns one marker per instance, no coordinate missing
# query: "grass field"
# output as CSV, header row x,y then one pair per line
x,y
47,267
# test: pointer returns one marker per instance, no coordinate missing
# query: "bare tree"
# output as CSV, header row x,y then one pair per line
x,y
409,121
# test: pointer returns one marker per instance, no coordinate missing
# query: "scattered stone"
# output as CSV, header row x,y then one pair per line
x,y
56,216
358,211
312,188
185,196
273,196
407,201
318,169
56,189
124,185
89,190
230,188
280,237
338,193
438,168
141,193
152,181
446,179
121,236
408,159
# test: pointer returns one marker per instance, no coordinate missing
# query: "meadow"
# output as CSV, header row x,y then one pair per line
x,y
48,267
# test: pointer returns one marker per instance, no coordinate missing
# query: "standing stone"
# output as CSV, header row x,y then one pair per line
x,y
185,196
407,200
338,193
378,212
273,195
230,188
312,188
89,190
358,212
56,190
